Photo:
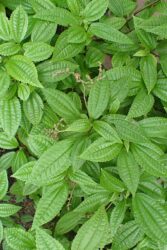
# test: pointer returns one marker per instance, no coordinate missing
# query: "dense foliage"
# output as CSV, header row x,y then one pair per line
x,y
83,126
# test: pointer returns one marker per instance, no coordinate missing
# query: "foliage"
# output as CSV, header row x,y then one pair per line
x,y
83,125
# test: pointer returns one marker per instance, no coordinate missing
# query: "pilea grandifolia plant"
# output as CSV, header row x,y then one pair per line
x,y
83,127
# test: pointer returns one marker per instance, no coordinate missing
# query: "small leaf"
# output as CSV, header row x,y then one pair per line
x,y
18,24
4,83
3,184
76,34
23,91
101,151
7,210
45,241
9,49
6,142
4,27
128,170
81,125
22,69
121,7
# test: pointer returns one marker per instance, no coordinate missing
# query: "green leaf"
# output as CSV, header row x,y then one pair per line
x,y
92,232
80,125
52,201
128,170
61,103
6,160
4,27
160,89
106,131
51,72
33,108
74,6
127,236
98,98
110,182
117,216
37,51
121,7
18,24
76,34
106,32
101,151
151,216
141,105
94,10
19,160
22,69
9,49
4,83
45,4
23,91
57,15
1,231
6,142
45,241
10,116
148,66
64,49
148,156
24,172
7,210
3,184
56,158
17,238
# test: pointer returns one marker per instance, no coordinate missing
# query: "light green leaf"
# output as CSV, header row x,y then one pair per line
x,y
24,172
101,151
39,5
45,241
61,103
10,115
80,125
22,69
74,6
7,210
17,238
37,51
148,66
6,142
3,184
151,216
128,170
106,131
4,27
160,89
9,49
23,91
94,10
4,83
76,34
92,232
52,201
111,183
1,231
98,98
106,32
121,7
18,24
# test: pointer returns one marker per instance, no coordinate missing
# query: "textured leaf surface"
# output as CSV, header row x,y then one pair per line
x,y
9,49
7,210
3,184
6,142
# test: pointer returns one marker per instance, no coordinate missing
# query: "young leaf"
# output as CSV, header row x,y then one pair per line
x,y
142,104
10,115
101,151
80,125
76,34
4,83
22,69
75,6
148,66
106,131
9,49
128,170
37,51
45,241
160,90
23,91
92,233
4,27
121,7
17,238
3,184
6,142
106,32
52,201
94,10
7,210
98,99
151,216
18,24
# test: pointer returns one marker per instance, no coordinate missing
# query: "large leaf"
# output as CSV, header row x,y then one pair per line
x,y
94,10
106,32
101,151
18,24
128,170
151,216
45,241
10,115
53,162
52,201
17,238
22,69
92,233
98,99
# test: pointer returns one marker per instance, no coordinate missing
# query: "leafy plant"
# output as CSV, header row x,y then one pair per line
x,y
83,125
